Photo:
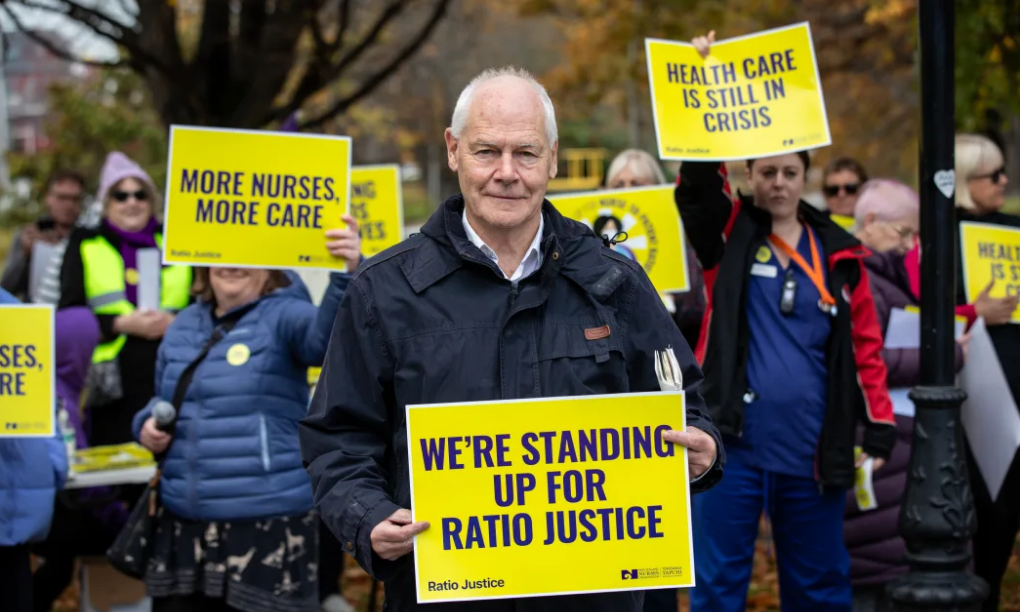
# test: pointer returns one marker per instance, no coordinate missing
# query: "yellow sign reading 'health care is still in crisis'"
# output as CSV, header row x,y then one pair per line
x,y
26,371
990,252
549,496
753,96
377,204
648,216
257,199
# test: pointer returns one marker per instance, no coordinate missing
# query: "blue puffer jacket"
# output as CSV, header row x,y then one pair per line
x,y
235,455
32,470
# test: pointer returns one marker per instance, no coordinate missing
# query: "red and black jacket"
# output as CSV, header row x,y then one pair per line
x,y
725,233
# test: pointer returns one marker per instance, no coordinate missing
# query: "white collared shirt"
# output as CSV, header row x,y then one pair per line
x,y
532,259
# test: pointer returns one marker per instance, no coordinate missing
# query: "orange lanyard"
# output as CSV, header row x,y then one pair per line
x,y
814,272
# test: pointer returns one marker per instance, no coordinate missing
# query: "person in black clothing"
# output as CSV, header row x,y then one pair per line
x,y
980,194
63,199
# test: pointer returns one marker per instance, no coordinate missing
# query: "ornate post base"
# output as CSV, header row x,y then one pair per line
x,y
937,518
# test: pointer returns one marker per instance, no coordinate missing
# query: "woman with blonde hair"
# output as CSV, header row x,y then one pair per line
x,y
980,195
637,168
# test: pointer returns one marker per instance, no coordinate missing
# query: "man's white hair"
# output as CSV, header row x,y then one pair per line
x,y
460,111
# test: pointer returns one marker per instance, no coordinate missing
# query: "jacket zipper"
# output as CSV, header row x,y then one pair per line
x,y
513,293
264,439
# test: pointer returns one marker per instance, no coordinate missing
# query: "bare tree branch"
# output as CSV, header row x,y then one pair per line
x,y
54,48
100,23
344,23
383,73
318,76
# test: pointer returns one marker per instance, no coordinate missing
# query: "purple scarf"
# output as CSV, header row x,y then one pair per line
x,y
130,242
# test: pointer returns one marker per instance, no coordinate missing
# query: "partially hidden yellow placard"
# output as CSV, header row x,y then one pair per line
x,y
990,252
549,497
250,198
843,221
26,371
648,215
377,204
753,96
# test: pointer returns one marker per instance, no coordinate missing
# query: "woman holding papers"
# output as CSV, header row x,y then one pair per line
x,y
980,195
105,269
791,353
886,221
236,530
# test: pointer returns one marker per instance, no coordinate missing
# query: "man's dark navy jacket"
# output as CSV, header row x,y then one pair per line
x,y
432,320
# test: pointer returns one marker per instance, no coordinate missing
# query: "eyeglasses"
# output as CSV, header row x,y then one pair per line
x,y
122,196
996,176
833,190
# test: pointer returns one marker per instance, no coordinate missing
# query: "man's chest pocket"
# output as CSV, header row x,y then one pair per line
x,y
581,358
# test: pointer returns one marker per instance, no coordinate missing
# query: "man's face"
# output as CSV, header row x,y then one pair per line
x,y
503,159
63,202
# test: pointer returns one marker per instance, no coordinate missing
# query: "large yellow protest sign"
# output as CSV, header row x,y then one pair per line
x,y
377,204
990,252
549,496
253,198
753,96
648,215
26,371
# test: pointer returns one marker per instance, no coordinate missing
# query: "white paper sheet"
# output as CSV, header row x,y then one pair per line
x,y
149,269
42,253
904,329
990,417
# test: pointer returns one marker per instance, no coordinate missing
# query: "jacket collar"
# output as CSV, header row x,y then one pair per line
x,y
568,247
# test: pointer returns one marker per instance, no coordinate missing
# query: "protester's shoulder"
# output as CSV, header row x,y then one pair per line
x,y
390,261
81,234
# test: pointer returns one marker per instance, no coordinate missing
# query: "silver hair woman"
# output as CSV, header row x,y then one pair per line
x,y
634,168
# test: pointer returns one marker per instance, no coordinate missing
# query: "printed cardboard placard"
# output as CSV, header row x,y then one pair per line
x,y
655,237
549,497
753,96
377,204
990,252
254,199
27,371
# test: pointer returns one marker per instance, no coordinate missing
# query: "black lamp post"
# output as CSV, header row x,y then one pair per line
x,y
937,519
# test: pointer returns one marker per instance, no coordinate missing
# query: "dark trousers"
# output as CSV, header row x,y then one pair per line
x,y
190,603
661,600
73,533
331,562
16,578
997,525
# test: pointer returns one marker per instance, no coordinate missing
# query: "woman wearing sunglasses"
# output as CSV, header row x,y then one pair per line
x,y
843,179
100,270
980,195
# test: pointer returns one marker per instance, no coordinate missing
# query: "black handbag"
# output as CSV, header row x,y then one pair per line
x,y
131,550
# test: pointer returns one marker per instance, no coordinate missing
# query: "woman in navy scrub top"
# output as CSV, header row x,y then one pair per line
x,y
791,351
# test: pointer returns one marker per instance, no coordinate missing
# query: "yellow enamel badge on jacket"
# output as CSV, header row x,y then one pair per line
x,y
238,354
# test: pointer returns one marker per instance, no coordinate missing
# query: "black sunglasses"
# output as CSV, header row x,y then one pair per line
x,y
833,190
996,176
122,196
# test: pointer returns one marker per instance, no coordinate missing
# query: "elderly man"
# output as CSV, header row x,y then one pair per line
x,y
495,299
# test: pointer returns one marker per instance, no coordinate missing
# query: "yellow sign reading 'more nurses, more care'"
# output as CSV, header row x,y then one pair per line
x,y
549,496
753,96
648,216
257,199
377,204
26,371
990,252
